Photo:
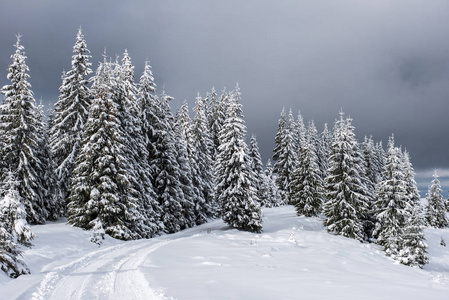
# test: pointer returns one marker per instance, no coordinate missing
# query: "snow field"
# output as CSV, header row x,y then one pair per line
x,y
293,258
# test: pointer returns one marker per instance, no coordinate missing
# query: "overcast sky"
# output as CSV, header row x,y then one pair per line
x,y
384,62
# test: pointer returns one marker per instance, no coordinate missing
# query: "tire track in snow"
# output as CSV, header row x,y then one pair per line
x,y
51,279
128,281
110,273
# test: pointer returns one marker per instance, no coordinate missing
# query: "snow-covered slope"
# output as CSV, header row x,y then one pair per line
x,y
294,258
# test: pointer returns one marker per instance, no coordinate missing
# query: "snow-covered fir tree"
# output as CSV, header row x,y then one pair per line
x,y
414,249
300,130
372,177
19,134
147,104
54,208
390,204
166,170
379,162
158,128
347,196
371,169
141,190
191,202
272,196
412,191
323,152
203,147
14,229
69,116
149,114
101,199
187,157
399,226
216,110
285,154
307,185
257,167
435,212
240,207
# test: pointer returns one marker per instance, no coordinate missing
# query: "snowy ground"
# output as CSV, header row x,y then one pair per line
x,y
294,258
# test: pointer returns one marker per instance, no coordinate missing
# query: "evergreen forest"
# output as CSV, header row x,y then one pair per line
x,y
113,158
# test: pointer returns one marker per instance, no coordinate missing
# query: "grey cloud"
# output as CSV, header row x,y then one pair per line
x,y
386,63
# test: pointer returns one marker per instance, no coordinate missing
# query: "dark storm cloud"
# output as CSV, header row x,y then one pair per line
x,y
386,63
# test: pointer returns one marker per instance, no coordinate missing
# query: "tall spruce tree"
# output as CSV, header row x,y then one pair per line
x,y
19,134
257,167
285,154
166,167
53,207
370,161
300,131
187,156
391,203
307,185
69,117
101,199
272,196
347,196
323,153
379,162
414,249
141,190
14,230
216,110
191,204
203,148
435,213
149,113
148,106
237,194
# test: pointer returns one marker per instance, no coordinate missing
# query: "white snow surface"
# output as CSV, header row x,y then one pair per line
x,y
294,258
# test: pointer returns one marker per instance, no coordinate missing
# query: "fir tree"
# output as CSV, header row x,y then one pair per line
x,y
69,117
272,196
307,185
166,167
323,152
100,197
412,192
54,208
257,167
240,207
203,158
187,157
435,209
147,105
300,131
14,230
345,191
379,162
141,191
369,156
216,110
192,203
149,113
372,177
413,251
285,155
390,204
19,132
